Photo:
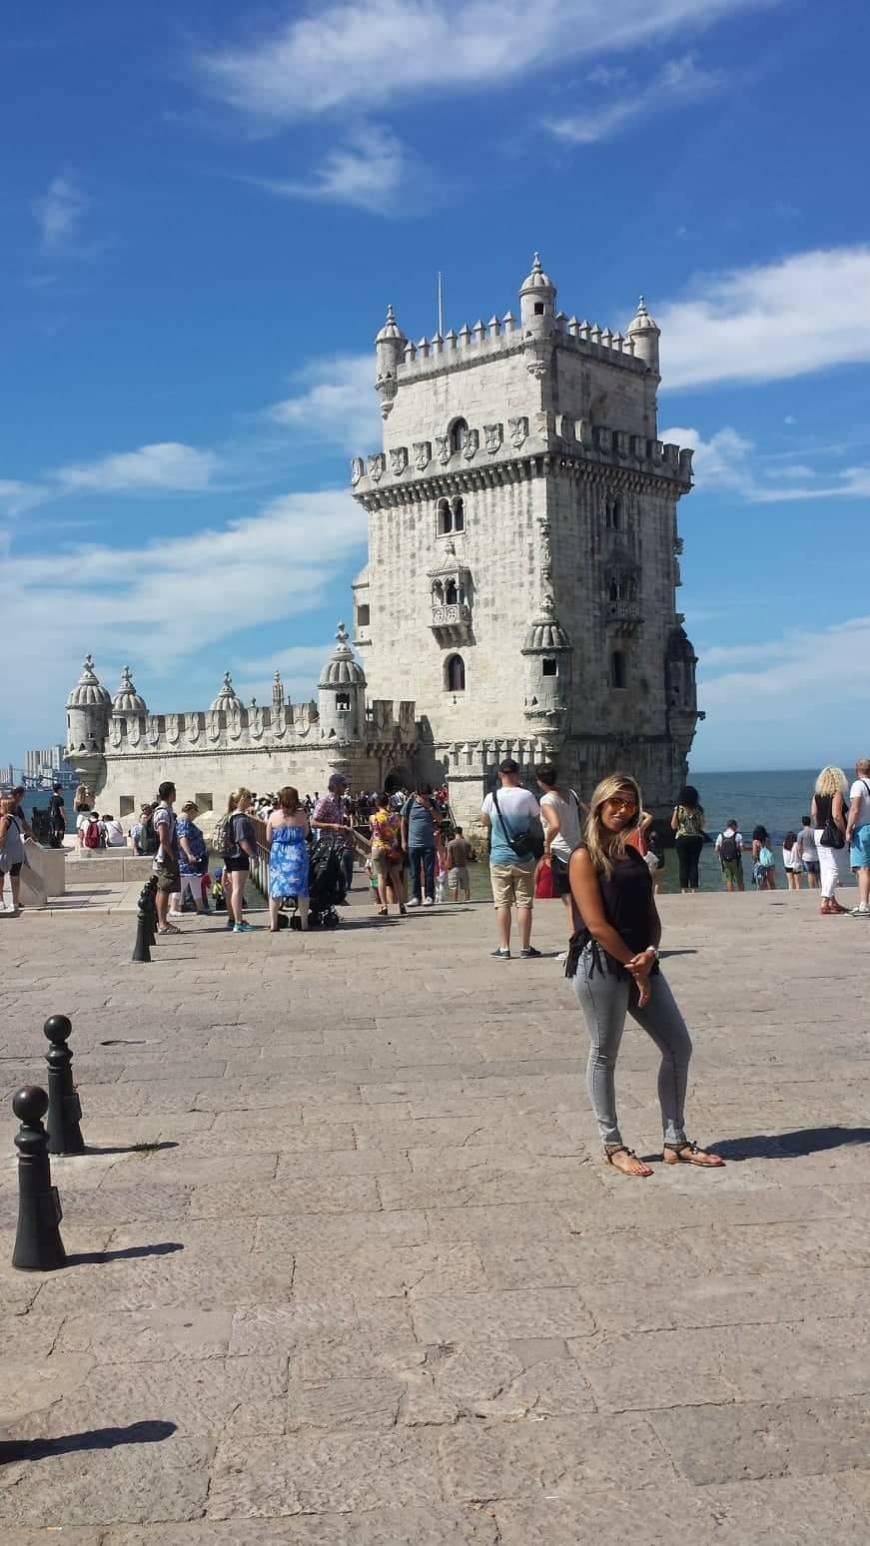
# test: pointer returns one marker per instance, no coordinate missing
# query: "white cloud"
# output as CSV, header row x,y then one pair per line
x,y
729,461
335,402
167,466
368,172
164,605
300,666
59,213
789,669
679,82
17,498
803,313
366,53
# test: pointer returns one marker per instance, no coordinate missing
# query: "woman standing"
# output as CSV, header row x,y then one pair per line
x,y
613,961
688,824
286,832
828,814
763,861
12,854
239,849
560,811
386,825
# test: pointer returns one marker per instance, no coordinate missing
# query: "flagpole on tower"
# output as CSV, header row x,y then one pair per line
x,y
440,305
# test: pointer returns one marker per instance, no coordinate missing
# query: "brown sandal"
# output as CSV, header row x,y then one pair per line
x,y
690,1154
624,1149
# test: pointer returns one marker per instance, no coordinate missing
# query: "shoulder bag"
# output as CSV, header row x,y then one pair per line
x,y
526,845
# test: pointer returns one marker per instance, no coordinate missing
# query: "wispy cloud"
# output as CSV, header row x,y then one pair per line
x,y
168,466
60,214
729,461
16,498
804,313
335,402
164,601
680,81
368,171
300,667
365,54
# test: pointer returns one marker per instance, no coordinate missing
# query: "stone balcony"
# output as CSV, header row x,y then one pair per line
x,y
623,618
451,622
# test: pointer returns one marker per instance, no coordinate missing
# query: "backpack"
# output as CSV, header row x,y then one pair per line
x,y
147,839
91,834
221,838
728,850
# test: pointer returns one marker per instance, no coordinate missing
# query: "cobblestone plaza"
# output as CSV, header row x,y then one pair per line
x,y
366,1282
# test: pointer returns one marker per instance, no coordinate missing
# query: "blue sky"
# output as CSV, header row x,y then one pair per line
x,y
205,214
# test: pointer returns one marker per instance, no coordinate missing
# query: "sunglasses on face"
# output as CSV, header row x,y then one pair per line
x,y
618,804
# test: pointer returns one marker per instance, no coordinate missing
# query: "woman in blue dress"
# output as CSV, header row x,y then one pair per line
x,y
286,833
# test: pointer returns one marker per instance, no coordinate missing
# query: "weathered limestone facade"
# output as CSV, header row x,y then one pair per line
x,y
524,552
519,597
122,752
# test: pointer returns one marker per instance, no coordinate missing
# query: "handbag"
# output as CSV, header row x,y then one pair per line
x,y
545,888
526,845
831,836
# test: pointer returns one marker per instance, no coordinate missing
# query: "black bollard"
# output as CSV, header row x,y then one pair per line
x,y
38,1246
151,893
142,947
64,1106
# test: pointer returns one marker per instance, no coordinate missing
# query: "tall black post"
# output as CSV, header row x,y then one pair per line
x,y
151,892
64,1106
142,947
38,1246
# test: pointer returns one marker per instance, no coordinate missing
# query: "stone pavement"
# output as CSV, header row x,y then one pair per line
x,y
368,1283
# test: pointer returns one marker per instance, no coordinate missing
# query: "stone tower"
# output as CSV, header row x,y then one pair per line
x,y
88,709
523,547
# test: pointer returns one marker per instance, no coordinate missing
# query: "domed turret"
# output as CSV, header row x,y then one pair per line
x,y
645,332
126,699
342,693
390,351
546,634
87,724
227,698
549,659
537,299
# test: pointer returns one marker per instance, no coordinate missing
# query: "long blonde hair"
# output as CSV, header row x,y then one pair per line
x,y
832,781
607,848
235,797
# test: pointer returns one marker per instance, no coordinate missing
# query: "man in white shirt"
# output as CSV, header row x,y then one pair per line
x,y
729,847
512,816
858,835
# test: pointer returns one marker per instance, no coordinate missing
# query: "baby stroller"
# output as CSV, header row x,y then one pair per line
x,y
326,886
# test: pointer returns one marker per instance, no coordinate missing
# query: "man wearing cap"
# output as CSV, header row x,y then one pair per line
x,y
329,816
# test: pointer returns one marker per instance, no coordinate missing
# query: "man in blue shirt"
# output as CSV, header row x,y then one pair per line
x,y
510,815
418,842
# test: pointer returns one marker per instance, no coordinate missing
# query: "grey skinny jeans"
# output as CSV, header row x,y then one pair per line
x,y
605,998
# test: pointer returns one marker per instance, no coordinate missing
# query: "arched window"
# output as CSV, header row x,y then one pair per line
x,y
458,514
438,593
458,432
617,669
445,517
454,673
342,703
451,595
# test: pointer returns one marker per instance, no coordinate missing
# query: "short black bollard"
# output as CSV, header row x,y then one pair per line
x,y
142,947
64,1106
38,1246
151,893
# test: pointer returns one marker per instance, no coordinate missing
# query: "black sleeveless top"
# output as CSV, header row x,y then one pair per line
x,y
824,809
627,899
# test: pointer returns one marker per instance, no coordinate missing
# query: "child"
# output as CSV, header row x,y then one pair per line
x,y
791,858
217,892
763,862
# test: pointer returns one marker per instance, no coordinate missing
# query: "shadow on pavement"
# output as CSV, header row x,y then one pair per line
x,y
131,1148
805,1140
96,1258
90,1438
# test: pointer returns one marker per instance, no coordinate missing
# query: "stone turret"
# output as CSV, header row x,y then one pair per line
x,y
277,693
644,333
342,693
390,351
549,659
537,301
88,708
227,700
127,701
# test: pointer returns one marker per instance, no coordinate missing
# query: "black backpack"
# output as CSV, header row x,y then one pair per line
x,y
728,850
148,843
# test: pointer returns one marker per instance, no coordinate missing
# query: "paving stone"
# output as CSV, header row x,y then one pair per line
x,y
709,1300
410,1526
376,1271
152,1335
300,1231
797,1511
669,1513
339,1474
346,1403
545,1312
143,1479
721,1444
308,1194
513,1460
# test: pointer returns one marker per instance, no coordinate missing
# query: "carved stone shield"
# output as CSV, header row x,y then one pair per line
x,y
399,461
357,469
422,454
443,444
472,444
494,436
519,429
377,466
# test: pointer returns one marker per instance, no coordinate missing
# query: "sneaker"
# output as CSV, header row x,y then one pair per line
x,y
860,911
562,955
529,953
501,954
243,928
229,924
412,902
429,902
